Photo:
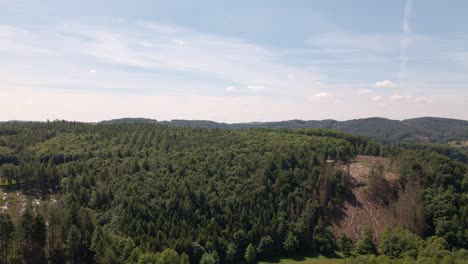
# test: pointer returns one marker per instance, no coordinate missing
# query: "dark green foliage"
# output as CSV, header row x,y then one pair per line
x,y
345,245
127,191
74,244
398,242
324,241
32,237
366,245
418,129
7,230
265,247
291,244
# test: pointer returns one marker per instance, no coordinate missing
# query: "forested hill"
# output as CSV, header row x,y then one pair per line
x,y
151,193
424,129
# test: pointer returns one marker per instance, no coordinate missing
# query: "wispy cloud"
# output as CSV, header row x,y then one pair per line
x,y
363,91
404,41
231,89
385,84
322,95
160,56
146,68
256,87
410,98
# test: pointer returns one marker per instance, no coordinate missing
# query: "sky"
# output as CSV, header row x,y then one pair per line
x,y
233,61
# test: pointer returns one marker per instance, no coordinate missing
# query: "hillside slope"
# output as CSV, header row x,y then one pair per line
x,y
424,129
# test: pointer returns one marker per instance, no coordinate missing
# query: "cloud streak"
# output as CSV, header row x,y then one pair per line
x,y
404,41
63,67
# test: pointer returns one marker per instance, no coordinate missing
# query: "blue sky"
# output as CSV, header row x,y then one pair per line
x,y
233,61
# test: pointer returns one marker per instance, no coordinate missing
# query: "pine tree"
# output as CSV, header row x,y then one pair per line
x,y
250,255
74,244
7,230
291,244
366,245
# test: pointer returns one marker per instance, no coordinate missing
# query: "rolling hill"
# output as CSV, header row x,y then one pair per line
x,y
424,129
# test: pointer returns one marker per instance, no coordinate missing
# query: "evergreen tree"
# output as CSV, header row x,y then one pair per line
x,y
207,258
265,247
250,255
345,245
184,258
291,244
366,245
324,241
7,230
74,244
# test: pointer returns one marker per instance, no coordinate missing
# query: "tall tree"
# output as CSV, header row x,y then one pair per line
x,y
7,230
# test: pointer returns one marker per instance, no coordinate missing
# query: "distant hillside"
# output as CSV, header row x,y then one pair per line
x,y
452,128
424,129
129,120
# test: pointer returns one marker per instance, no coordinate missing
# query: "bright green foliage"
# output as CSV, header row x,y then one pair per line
x,y
168,256
250,254
184,258
231,253
434,246
291,244
456,257
208,258
148,258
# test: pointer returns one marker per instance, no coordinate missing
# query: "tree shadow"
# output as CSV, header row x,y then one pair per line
x,y
338,212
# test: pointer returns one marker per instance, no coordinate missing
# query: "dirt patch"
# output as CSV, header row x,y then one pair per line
x,y
15,202
359,212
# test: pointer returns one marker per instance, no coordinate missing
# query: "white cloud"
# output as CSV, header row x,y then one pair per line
x,y
178,42
231,89
139,57
156,62
385,84
363,91
422,99
411,99
323,95
256,87
400,97
377,98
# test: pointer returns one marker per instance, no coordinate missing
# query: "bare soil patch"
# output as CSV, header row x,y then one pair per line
x,y
360,212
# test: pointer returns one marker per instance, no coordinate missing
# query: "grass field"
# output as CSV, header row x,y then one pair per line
x,y
306,260
459,144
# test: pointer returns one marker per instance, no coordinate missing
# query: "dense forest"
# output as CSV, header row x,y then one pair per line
x,y
153,193
422,130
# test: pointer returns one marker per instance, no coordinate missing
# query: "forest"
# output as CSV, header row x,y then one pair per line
x,y
152,193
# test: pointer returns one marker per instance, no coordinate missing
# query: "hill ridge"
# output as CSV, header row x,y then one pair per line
x,y
420,129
